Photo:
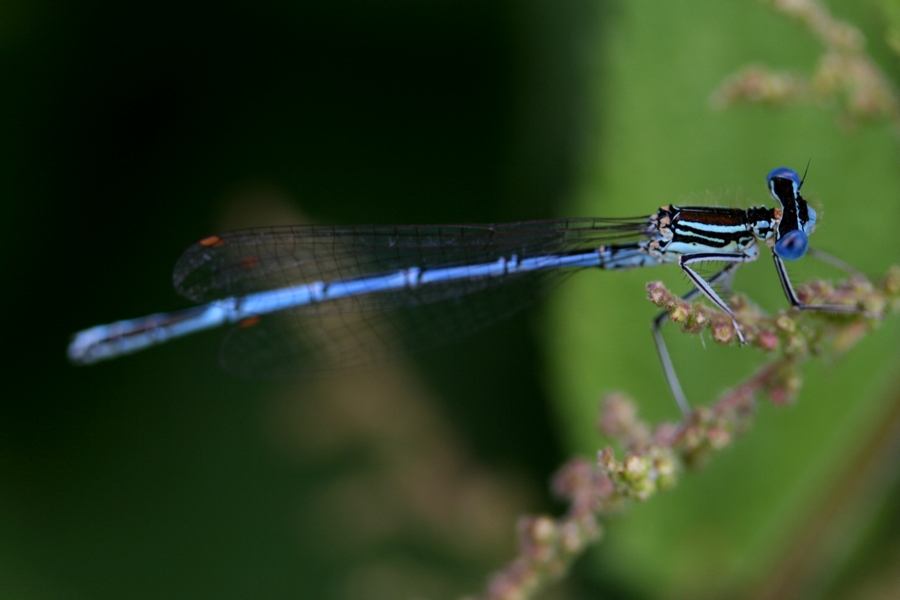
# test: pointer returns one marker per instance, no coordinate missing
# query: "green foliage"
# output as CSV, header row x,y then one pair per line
x,y
662,144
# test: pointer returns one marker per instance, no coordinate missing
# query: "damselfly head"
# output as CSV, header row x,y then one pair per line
x,y
798,219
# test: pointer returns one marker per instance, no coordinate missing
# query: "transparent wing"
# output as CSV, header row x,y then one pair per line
x,y
299,342
374,327
246,261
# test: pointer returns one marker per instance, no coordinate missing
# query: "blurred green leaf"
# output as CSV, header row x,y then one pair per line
x,y
662,143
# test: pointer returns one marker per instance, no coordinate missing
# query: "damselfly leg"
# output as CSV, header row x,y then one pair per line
x,y
665,360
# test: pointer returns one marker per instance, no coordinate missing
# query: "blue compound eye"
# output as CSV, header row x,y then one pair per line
x,y
810,224
792,246
784,173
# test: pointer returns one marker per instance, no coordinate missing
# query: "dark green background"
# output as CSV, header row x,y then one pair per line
x,y
127,127
132,129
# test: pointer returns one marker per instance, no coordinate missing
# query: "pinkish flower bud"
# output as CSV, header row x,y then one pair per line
x,y
785,323
571,539
680,312
606,458
572,478
779,396
657,293
636,467
767,340
543,530
666,434
718,437
618,415
723,332
796,345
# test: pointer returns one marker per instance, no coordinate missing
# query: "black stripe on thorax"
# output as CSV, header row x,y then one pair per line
x,y
712,227
712,215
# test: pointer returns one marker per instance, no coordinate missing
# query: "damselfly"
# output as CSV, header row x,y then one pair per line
x,y
313,297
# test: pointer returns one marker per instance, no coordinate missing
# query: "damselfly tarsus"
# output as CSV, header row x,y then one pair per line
x,y
314,297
